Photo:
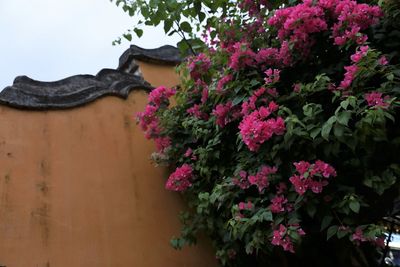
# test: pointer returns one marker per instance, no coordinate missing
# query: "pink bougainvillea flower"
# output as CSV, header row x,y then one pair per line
x,y
260,179
180,179
376,100
280,238
226,113
223,81
256,127
241,181
311,176
246,206
199,65
383,61
241,57
278,204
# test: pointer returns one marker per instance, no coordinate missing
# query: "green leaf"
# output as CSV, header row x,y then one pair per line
x,y
355,206
185,26
326,221
331,231
167,25
344,117
237,100
315,132
128,36
327,127
139,32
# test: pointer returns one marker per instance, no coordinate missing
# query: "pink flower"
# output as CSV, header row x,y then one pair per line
x,y
376,100
324,168
196,112
267,56
280,238
255,128
223,81
180,180
278,204
302,167
242,57
199,65
383,61
358,236
298,184
348,77
162,143
260,179
363,50
311,176
297,24
272,76
241,181
204,95
160,95
226,113
296,88
188,152
245,206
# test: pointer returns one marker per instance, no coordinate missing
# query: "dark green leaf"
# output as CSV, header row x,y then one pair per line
x,y
331,231
185,26
326,221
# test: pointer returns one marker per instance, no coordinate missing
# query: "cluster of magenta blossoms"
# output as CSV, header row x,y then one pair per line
x,y
148,119
278,133
311,176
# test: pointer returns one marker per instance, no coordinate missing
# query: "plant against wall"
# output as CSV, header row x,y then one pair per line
x,y
285,132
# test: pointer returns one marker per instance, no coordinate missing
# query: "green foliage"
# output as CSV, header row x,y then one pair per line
x,y
354,130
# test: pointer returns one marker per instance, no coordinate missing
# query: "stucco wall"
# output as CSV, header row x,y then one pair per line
x,y
77,188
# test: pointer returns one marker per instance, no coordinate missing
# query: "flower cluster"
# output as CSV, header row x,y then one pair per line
x,y
241,57
358,237
376,100
180,179
148,120
226,113
296,24
279,204
259,179
246,206
198,66
311,176
256,127
352,18
281,237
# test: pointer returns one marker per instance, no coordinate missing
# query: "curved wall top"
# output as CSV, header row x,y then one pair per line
x,y
26,93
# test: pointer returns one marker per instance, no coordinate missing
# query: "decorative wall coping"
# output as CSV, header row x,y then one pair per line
x,y
78,90
166,55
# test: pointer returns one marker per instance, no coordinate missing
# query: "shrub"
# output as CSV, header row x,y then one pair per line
x,y
285,133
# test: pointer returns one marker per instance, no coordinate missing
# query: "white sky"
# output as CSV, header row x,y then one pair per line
x,y
52,39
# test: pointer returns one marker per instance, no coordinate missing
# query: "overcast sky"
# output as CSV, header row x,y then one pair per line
x,y
52,39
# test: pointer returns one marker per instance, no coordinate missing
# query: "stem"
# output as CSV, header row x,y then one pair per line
x,y
184,38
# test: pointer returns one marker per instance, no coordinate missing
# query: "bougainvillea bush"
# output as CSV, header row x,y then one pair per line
x,y
284,135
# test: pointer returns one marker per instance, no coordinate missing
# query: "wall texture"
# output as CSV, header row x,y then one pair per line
x,y
77,188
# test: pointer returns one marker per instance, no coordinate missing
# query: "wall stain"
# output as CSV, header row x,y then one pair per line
x,y
43,187
42,216
127,121
44,168
7,178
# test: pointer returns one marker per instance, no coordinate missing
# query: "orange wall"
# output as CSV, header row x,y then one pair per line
x,y
77,188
